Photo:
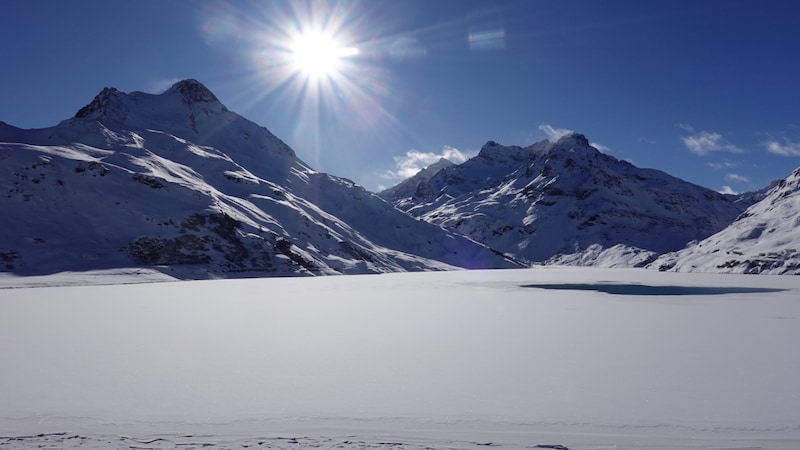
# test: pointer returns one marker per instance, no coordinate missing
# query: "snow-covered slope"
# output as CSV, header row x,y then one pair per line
x,y
764,239
559,358
408,187
178,180
566,202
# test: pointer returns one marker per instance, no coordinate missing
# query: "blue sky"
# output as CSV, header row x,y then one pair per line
x,y
705,90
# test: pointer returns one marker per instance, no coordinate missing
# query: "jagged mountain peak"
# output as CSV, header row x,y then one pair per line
x,y
177,181
107,101
192,91
573,139
409,186
114,106
552,199
570,142
440,164
492,151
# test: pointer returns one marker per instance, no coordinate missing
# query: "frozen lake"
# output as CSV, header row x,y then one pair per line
x,y
578,357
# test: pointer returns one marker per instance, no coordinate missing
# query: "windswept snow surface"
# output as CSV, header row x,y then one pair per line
x,y
583,358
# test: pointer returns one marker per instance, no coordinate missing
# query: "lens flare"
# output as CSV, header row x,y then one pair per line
x,y
318,55
323,69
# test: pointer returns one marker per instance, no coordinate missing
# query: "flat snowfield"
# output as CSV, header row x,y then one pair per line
x,y
571,358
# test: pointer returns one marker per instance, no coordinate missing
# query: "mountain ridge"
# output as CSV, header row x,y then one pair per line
x,y
761,240
566,202
178,182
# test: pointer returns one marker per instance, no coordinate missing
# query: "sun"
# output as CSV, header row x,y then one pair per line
x,y
317,55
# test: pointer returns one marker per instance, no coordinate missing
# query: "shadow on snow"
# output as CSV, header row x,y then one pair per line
x,y
643,289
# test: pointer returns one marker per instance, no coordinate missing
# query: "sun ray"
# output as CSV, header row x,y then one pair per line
x,y
325,68
318,55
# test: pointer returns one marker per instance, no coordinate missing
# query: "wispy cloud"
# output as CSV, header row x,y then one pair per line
x,y
721,165
414,160
727,190
554,134
737,178
159,86
601,147
647,140
685,127
705,142
785,148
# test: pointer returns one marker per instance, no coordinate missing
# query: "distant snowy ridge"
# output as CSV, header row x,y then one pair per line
x,y
565,202
764,239
408,187
178,182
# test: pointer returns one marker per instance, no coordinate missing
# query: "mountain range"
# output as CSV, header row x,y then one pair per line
x,y
764,239
566,202
177,182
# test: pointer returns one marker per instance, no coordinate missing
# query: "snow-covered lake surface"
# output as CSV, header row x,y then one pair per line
x,y
574,357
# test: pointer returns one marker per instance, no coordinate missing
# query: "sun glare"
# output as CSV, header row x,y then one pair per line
x,y
322,62
317,55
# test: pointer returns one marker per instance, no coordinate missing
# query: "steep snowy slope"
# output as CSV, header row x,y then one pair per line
x,y
408,187
565,202
178,180
764,239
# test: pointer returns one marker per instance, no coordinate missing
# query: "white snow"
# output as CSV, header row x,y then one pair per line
x,y
764,239
177,179
565,202
586,358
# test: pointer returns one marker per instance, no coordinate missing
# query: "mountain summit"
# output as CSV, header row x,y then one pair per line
x,y
566,202
110,103
192,91
177,182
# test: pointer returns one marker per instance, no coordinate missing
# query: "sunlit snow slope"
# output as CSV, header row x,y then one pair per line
x,y
764,239
565,202
178,181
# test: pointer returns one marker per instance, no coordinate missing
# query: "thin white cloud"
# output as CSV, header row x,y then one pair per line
x,y
727,190
737,178
553,134
159,86
685,127
704,142
721,165
601,147
786,148
414,160
647,140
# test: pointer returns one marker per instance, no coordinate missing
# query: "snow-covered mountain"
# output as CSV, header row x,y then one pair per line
x,y
408,187
179,181
565,202
764,239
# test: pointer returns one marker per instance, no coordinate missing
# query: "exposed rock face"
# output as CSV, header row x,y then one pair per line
x,y
192,91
